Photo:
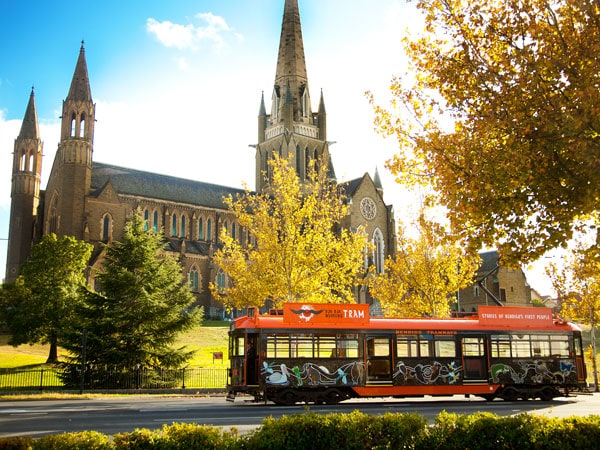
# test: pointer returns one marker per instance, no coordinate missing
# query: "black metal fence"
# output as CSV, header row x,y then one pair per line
x,y
51,378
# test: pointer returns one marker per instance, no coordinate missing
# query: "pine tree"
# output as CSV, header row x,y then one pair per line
x,y
141,304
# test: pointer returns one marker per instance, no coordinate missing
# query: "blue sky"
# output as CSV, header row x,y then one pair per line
x,y
177,84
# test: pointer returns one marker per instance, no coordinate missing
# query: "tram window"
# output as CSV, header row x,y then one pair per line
x,y
500,346
278,346
325,346
424,349
445,348
559,346
347,346
237,346
406,346
540,346
379,347
301,346
520,346
473,346
577,345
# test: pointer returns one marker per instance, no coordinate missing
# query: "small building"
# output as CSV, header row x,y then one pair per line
x,y
496,285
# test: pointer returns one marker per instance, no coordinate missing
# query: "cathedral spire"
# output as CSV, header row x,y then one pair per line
x,y
29,127
80,85
291,63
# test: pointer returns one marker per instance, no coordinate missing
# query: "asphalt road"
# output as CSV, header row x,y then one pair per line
x,y
114,415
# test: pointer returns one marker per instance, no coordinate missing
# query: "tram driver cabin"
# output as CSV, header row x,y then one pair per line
x,y
327,353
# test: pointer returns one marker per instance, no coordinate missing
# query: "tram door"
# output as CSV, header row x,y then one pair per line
x,y
379,359
475,360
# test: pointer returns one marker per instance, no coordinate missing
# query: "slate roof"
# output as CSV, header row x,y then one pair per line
x,y
160,187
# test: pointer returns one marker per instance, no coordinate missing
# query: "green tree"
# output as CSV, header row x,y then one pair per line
x,y
39,306
141,304
577,285
297,250
499,112
426,273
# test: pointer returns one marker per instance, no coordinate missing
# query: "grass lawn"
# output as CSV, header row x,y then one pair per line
x,y
210,337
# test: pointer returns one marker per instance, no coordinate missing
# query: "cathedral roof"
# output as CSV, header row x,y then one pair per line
x,y
161,187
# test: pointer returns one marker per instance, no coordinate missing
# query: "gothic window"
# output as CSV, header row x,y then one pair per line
x,y
182,230
208,230
378,250
146,219
275,104
200,228
82,125
305,105
174,225
226,227
155,222
73,123
233,230
53,219
194,279
475,291
106,227
221,280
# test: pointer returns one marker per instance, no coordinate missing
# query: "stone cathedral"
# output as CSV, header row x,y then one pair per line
x,y
91,200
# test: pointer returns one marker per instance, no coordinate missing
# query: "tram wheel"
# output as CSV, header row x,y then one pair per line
x,y
547,394
286,397
510,394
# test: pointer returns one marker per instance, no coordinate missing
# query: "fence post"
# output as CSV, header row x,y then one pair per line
x,y
183,378
83,345
42,379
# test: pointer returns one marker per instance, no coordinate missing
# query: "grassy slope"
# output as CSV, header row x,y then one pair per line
x,y
206,339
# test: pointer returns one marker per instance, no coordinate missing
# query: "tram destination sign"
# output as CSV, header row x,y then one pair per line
x,y
322,313
513,315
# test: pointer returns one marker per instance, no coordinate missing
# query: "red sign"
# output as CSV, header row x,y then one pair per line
x,y
513,315
321,313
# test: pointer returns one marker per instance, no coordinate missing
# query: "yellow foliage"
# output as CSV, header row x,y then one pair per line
x,y
297,250
499,112
425,275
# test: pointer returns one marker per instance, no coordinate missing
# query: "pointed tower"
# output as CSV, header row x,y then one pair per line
x,y
292,130
70,180
25,191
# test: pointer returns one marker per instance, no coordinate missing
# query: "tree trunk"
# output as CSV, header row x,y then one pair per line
x,y
53,354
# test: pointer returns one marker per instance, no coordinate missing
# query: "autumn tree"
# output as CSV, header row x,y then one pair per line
x,y
296,250
40,305
426,273
499,110
141,305
577,285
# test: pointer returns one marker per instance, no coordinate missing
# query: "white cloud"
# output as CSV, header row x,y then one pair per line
x,y
212,29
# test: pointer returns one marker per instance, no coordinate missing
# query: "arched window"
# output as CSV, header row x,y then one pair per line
x,y
82,125
233,230
225,227
155,222
221,280
208,230
53,219
106,227
146,220
73,124
194,279
182,230
174,225
378,250
200,228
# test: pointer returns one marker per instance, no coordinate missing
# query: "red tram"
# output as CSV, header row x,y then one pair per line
x,y
327,353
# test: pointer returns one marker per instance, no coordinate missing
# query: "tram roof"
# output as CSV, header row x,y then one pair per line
x,y
488,319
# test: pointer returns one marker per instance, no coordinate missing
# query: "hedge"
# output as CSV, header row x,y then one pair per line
x,y
355,430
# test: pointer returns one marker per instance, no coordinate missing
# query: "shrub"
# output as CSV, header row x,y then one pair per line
x,y
85,440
